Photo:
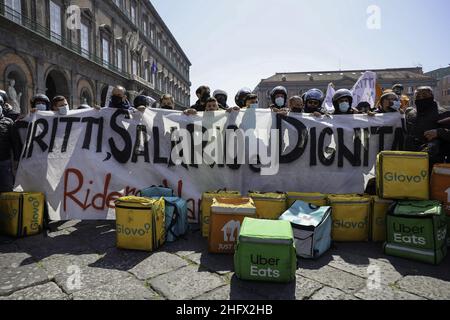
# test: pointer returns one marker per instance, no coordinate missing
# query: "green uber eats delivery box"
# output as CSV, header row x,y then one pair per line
x,y
417,230
265,251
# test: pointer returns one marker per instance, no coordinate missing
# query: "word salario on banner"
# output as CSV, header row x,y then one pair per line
x,y
90,158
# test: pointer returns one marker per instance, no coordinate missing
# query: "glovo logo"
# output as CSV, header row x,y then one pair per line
x,y
35,218
135,232
396,177
350,224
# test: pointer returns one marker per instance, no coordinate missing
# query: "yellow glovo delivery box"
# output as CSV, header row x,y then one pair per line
x,y
21,214
380,208
269,206
350,217
317,199
207,201
403,175
140,223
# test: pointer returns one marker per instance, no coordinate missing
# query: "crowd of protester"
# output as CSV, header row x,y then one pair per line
x,y
428,126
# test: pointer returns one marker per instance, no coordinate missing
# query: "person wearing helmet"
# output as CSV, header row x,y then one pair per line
x,y
342,102
221,96
279,97
241,96
203,94
143,102
404,100
295,104
427,128
389,102
39,102
7,149
313,102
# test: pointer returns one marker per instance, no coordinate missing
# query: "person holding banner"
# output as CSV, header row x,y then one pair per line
x,y
119,99
313,102
342,102
60,105
295,104
241,96
203,93
221,97
167,102
39,102
212,105
6,150
389,102
251,101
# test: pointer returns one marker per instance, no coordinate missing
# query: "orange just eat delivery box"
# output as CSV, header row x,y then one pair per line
x,y
440,185
227,215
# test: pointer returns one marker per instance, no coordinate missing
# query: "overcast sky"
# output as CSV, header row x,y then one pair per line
x,y
236,43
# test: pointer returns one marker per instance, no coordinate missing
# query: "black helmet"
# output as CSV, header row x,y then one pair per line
x,y
2,102
342,93
142,101
220,92
398,86
241,95
4,95
40,97
278,90
314,94
303,97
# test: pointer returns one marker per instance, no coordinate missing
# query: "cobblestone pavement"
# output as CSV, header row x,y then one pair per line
x,y
47,267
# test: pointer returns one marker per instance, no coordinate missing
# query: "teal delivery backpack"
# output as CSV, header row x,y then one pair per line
x,y
177,224
155,191
312,228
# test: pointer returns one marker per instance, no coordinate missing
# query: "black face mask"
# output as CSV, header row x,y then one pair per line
x,y
424,105
116,102
311,110
205,96
222,101
165,107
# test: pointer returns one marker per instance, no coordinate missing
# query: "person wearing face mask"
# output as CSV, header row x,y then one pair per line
x,y
60,105
203,94
142,102
295,104
426,130
342,102
251,101
389,102
279,97
221,96
39,102
7,149
167,102
119,99
404,100
313,102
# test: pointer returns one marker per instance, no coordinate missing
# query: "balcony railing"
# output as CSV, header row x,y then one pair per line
x,y
17,17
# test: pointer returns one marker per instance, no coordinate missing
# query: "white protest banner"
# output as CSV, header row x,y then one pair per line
x,y
328,102
86,160
365,89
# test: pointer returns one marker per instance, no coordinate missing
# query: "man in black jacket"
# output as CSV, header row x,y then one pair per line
x,y
427,131
203,94
6,151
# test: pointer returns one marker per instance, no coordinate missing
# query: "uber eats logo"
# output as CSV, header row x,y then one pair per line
x,y
398,177
409,234
264,267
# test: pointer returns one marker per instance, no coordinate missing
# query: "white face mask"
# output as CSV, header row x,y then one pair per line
x,y
279,102
64,110
41,107
344,107
396,106
253,106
